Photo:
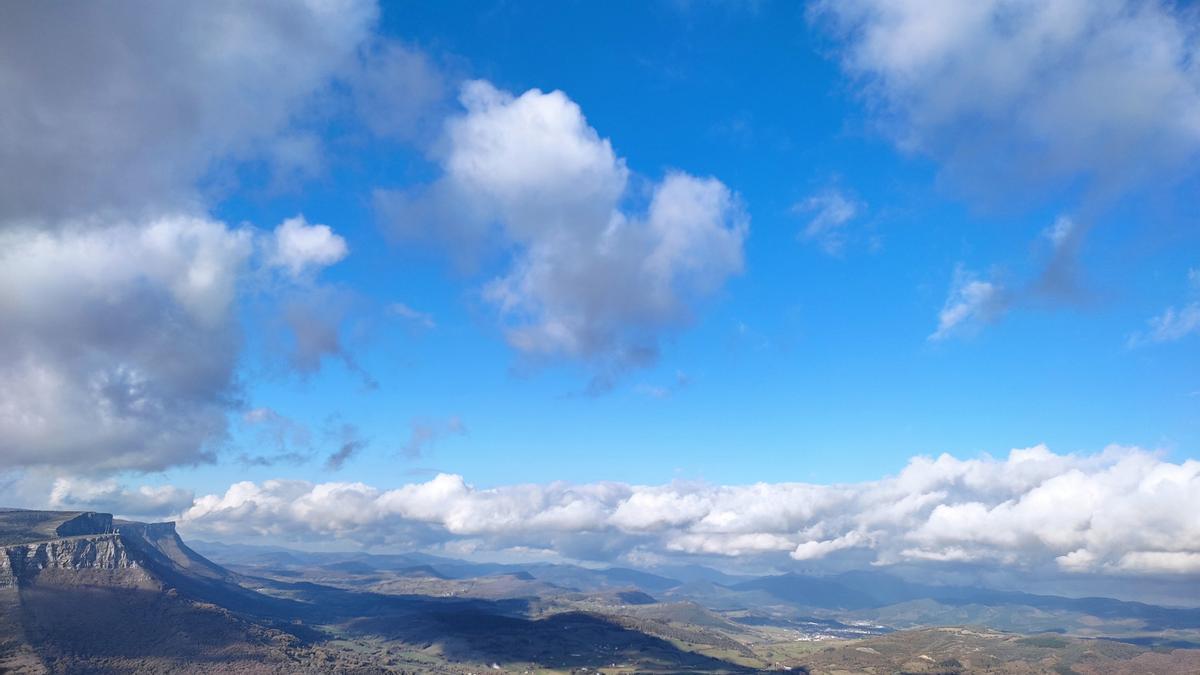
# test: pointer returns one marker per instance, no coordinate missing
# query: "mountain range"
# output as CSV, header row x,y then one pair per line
x,y
85,592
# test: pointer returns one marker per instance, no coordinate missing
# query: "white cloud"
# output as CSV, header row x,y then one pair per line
x,y
831,212
1099,89
971,301
118,348
301,248
1123,511
588,279
1060,231
421,319
108,496
119,341
1173,323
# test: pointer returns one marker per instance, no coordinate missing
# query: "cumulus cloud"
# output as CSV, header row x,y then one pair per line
x,y
1121,511
1173,323
120,344
111,106
971,302
588,279
1104,90
118,348
830,212
301,248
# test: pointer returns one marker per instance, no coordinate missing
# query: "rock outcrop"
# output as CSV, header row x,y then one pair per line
x,y
98,550
107,554
86,523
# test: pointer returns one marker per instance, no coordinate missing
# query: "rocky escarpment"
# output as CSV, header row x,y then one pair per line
x,y
95,548
86,523
23,526
87,558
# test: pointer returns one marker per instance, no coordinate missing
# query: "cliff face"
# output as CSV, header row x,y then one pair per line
x,y
92,548
86,523
104,558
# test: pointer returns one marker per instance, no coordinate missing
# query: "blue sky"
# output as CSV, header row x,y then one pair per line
x,y
806,366
908,229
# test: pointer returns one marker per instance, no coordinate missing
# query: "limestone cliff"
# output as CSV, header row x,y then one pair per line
x,y
100,558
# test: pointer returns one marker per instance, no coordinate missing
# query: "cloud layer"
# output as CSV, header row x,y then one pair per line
x,y
111,106
1120,511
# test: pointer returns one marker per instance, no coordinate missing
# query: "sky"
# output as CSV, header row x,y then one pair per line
x,y
829,283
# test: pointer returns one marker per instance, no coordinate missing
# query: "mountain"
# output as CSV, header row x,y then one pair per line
x,y
82,591
809,591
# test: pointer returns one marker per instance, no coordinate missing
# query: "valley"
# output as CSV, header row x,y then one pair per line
x,y
83,592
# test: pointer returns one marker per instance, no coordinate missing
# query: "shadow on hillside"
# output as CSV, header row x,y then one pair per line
x,y
470,629
89,622
567,640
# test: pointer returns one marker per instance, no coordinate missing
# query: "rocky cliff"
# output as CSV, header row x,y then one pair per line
x,y
97,549
86,523
102,558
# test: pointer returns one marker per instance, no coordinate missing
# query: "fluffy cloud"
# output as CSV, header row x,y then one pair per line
x,y
1173,323
117,348
971,301
1099,89
108,105
119,343
588,279
1120,511
301,248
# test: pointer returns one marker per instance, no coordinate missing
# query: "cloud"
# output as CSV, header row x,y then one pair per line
x,y
289,440
971,302
114,107
1173,323
118,346
313,319
120,342
424,433
1101,90
350,444
110,497
300,248
831,212
1121,511
420,319
587,279
399,92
